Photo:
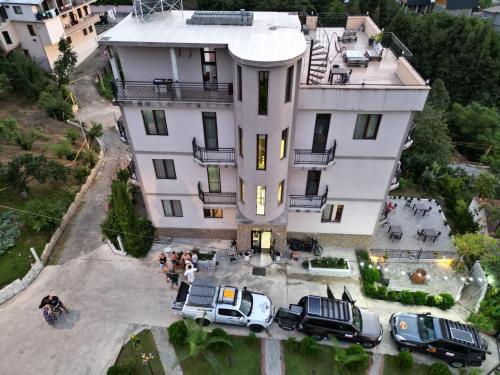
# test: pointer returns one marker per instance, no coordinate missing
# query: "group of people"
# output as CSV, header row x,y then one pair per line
x,y
169,264
52,307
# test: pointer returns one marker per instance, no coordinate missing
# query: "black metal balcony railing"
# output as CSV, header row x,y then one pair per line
x,y
166,89
216,198
409,137
221,155
303,156
309,201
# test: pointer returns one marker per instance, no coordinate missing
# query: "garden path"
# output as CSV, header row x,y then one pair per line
x,y
273,361
166,351
377,364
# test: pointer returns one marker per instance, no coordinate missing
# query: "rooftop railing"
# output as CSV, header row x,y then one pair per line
x,y
220,155
84,22
391,41
309,157
308,201
227,199
168,90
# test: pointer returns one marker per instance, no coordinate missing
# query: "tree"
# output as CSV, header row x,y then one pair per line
x,y
66,62
95,131
476,246
463,219
55,102
47,214
486,185
439,98
9,230
5,85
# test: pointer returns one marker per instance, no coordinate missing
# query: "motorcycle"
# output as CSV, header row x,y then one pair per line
x,y
309,244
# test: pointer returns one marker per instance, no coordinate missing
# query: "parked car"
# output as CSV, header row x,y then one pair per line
x,y
309,244
454,342
322,317
206,303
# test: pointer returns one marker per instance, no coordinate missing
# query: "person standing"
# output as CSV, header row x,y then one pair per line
x,y
189,273
163,260
194,260
173,277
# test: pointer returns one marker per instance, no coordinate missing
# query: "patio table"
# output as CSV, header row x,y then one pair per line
x,y
421,207
430,233
395,232
343,73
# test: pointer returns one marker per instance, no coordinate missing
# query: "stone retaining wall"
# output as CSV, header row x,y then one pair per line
x,y
217,234
357,241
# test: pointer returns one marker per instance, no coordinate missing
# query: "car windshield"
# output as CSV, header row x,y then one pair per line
x,y
426,329
356,318
246,303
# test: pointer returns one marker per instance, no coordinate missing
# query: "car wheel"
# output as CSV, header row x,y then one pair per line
x,y
256,328
457,364
202,322
368,345
287,324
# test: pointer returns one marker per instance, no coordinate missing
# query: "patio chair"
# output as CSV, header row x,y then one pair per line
x,y
232,255
375,53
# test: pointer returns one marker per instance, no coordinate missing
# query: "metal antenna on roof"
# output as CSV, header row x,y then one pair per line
x,y
144,9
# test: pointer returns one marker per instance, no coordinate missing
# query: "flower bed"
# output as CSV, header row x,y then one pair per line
x,y
338,267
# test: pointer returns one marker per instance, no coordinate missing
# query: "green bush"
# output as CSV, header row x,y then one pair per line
x,y
126,369
406,297
62,149
123,174
89,157
292,344
381,292
308,346
252,339
328,262
26,139
404,360
104,86
9,129
177,332
80,173
5,86
439,368
95,131
370,290
487,319
371,275
419,298
9,230
393,295
356,358
430,301
220,333
446,302
72,135
50,211
56,102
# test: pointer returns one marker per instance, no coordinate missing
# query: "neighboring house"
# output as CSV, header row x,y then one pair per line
x,y
237,131
36,26
481,211
416,6
493,14
456,7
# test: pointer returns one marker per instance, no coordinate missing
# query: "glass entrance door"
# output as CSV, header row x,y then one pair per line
x,y
209,68
261,241
321,132
213,179
312,184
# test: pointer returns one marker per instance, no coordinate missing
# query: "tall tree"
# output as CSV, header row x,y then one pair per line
x,y
66,62
487,185
439,98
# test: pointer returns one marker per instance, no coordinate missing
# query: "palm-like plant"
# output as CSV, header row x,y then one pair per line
x,y
352,358
199,342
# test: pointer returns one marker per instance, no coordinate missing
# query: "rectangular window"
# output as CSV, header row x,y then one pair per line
x,y
327,214
164,169
17,9
242,191
367,126
281,188
86,10
91,30
289,84
240,140
261,151
214,185
79,11
154,121
263,92
338,214
240,82
172,207
283,143
213,213
31,30
210,130
6,36
261,200
85,32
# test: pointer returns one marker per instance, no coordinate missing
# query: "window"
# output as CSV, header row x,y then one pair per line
x,y
240,82
31,30
261,151
6,36
164,169
261,200
312,183
214,185
209,68
91,30
231,313
210,130
86,11
85,32
17,9
172,207
281,188
263,92
283,143
154,121
327,214
240,140
212,213
367,126
321,128
242,191
288,85
79,11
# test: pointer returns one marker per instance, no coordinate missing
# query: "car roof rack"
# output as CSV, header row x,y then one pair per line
x,y
202,292
460,333
329,308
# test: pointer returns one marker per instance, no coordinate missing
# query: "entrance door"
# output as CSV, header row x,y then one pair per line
x,y
261,240
256,241
213,179
312,184
321,132
209,68
210,130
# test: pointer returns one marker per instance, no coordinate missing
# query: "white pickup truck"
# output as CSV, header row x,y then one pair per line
x,y
206,303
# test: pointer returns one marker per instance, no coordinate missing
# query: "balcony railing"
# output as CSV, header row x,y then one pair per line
x,y
308,201
166,89
84,22
395,179
219,156
409,137
226,199
308,157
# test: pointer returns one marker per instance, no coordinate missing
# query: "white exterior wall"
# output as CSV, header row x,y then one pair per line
x,y
28,14
9,27
34,44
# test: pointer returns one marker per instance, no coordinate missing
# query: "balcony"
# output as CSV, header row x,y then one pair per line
x,y
63,8
395,179
409,137
308,157
220,199
84,22
168,90
308,202
219,156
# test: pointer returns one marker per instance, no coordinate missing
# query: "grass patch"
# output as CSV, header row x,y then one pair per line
x,y
298,364
391,367
104,87
243,358
131,356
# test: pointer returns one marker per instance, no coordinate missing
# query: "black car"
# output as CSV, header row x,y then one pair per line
x,y
322,317
456,343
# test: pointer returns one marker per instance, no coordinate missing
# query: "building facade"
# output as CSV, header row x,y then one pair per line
x,y
258,132
36,26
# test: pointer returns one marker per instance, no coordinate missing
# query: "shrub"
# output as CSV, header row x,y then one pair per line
x,y
89,157
219,332
406,297
9,230
26,139
381,292
305,264
56,103
72,135
62,149
177,332
420,298
446,301
358,358
371,275
9,129
251,339
329,262
80,173
292,344
5,86
439,368
123,174
393,295
404,360
95,131
126,369
51,214
308,346
430,301
369,289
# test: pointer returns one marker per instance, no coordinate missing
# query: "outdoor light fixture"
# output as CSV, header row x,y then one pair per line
x,y
362,264
370,266
445,277
402,272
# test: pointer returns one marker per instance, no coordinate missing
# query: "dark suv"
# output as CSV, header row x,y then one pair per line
x,y
456,343
322,317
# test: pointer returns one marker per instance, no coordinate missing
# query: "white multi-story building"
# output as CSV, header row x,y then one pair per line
x,y
256,130
36,26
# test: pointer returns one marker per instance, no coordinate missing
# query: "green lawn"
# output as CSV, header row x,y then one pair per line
x,y
16,261
391,367
131,356
240,359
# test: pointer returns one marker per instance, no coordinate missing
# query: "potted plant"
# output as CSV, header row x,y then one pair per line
x,y
246,254
378,37
277,254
